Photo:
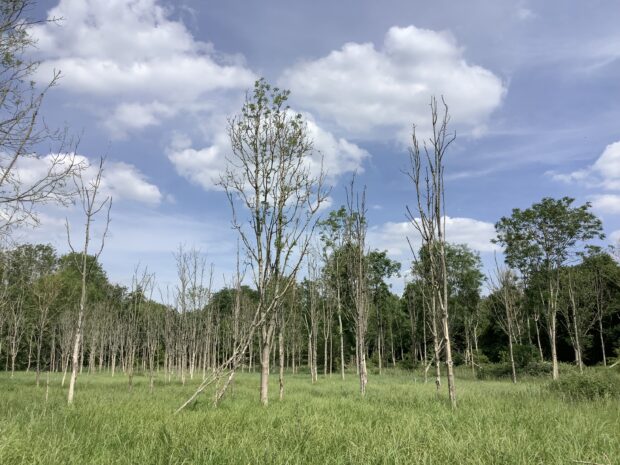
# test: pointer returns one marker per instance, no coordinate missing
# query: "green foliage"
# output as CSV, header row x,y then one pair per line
x,y
590,385
524,355
541,237
503,370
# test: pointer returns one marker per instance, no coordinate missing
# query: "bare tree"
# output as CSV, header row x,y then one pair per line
x,y
21,129
311,316
333,237
358,275
88,192
16,328
46,292
506,289
427,174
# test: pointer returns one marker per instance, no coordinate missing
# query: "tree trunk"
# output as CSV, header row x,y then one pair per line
x,y
340,334
281,359
540,351
512,358
552,341
600,331
264,374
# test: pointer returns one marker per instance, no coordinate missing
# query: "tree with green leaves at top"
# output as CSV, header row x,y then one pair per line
x,y
274,198
540,240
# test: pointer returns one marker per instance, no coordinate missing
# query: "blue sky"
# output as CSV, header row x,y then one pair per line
x,y
533,89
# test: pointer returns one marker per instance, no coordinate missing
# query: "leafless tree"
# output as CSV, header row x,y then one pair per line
x,y
45,291
88,193
506,288
427,174
358,275
21,128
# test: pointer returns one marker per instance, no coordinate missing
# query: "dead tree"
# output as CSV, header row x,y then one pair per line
x,y
506,289
21,129
358,275
45,292
88,193
427,174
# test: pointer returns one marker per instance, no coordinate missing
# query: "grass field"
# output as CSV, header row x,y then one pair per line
x,y
400,421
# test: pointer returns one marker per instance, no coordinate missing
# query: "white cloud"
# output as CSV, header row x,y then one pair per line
x,y
607,167
131,54
364,89
125,181
606,203
204,166
135,116
615,237
604,172
392,236
337,155
120,180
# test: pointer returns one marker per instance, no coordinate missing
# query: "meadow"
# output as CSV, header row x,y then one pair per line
x,y
401,421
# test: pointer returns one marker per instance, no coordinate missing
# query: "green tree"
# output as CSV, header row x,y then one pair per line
x,y
274,199
540,240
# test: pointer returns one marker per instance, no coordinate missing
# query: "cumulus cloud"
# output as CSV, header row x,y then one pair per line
x,y
392,236
130,53
604,172
365,89
120,180
204,166
606,203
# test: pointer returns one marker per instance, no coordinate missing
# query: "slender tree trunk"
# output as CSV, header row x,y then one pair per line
x,y
512,358
600,332
78,333
340,334
38,375
363,374
264,375
540,351
552,341
281,359
552,327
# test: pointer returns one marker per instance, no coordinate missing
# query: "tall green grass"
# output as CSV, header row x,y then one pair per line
x,y
401,421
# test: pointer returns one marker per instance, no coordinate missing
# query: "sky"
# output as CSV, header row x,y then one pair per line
x,y
533,90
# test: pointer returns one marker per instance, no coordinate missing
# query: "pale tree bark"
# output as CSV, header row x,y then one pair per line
x,y
268,176
506,288
88,191
45,292
16,329
429,220
358,279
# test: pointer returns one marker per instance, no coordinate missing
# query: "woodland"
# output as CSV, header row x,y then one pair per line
x,y
306,355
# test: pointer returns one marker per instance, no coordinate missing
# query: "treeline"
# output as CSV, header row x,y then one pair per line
x,y
182,332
